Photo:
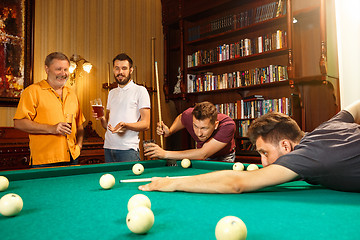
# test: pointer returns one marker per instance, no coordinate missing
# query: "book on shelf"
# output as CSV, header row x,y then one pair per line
x,y
242,48
279,9
237,19
228,109
250,109
256,107
265,12
209,81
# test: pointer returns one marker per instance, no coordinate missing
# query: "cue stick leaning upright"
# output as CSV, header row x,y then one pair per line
x,y
168,162
152,87
158,102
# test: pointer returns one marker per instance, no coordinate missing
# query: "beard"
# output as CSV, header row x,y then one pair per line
x,y
124,81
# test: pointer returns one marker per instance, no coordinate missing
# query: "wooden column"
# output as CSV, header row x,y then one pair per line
x,y
290,67
323,60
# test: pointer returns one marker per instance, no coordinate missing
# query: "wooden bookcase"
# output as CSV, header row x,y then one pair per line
x,y
217,51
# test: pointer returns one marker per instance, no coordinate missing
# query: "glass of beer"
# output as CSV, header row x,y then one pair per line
x,y
68,119
97,107
145,142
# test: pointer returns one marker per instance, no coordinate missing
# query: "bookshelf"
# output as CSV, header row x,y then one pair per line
x,y
228,51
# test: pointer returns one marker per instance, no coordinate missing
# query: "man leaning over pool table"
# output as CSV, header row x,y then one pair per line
x,y
212,131
328,156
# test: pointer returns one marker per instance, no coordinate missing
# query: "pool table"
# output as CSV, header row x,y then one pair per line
x,y
68,203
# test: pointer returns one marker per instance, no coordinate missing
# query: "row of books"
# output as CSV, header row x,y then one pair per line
x,y
238,20
255,107
242,48
209,81
270,10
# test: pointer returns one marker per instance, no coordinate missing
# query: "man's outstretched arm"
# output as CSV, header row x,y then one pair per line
x,y
227,181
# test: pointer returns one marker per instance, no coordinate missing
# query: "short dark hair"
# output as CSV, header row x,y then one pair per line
x,y
273,127
205,110
55,55
122,57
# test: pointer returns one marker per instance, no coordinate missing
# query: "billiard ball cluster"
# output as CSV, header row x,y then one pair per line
x,y
140,218
238,166
11,204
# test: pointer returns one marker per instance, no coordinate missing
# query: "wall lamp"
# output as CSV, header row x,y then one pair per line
x,y
76,62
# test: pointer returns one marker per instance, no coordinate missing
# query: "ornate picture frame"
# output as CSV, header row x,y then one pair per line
x,y
16,49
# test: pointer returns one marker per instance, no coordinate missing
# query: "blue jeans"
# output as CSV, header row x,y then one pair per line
x,y
112,155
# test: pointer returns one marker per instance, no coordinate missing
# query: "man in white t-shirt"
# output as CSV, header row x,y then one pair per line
x,y
128,113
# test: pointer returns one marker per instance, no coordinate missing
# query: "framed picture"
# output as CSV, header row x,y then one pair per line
x,y
16,49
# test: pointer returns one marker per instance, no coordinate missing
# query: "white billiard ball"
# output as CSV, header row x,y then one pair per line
x,y
4,183
140,220
230,228
107,181
138,169
185,163
238,166
11,204
138,200
252,167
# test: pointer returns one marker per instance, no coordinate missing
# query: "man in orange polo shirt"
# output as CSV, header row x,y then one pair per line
x,y
41,112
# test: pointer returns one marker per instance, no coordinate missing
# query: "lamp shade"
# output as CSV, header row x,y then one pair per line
x,y
72,67
87,67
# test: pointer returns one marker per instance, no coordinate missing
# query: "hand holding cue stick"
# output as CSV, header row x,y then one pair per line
x,y
168,162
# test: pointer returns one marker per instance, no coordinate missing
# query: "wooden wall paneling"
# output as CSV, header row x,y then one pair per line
x,y
306,53
97,30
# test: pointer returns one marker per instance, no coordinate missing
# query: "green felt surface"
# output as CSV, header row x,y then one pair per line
x,y
73,206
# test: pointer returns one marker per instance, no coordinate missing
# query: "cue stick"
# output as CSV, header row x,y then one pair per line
x,y
145,179
169,162
158,101
152,87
